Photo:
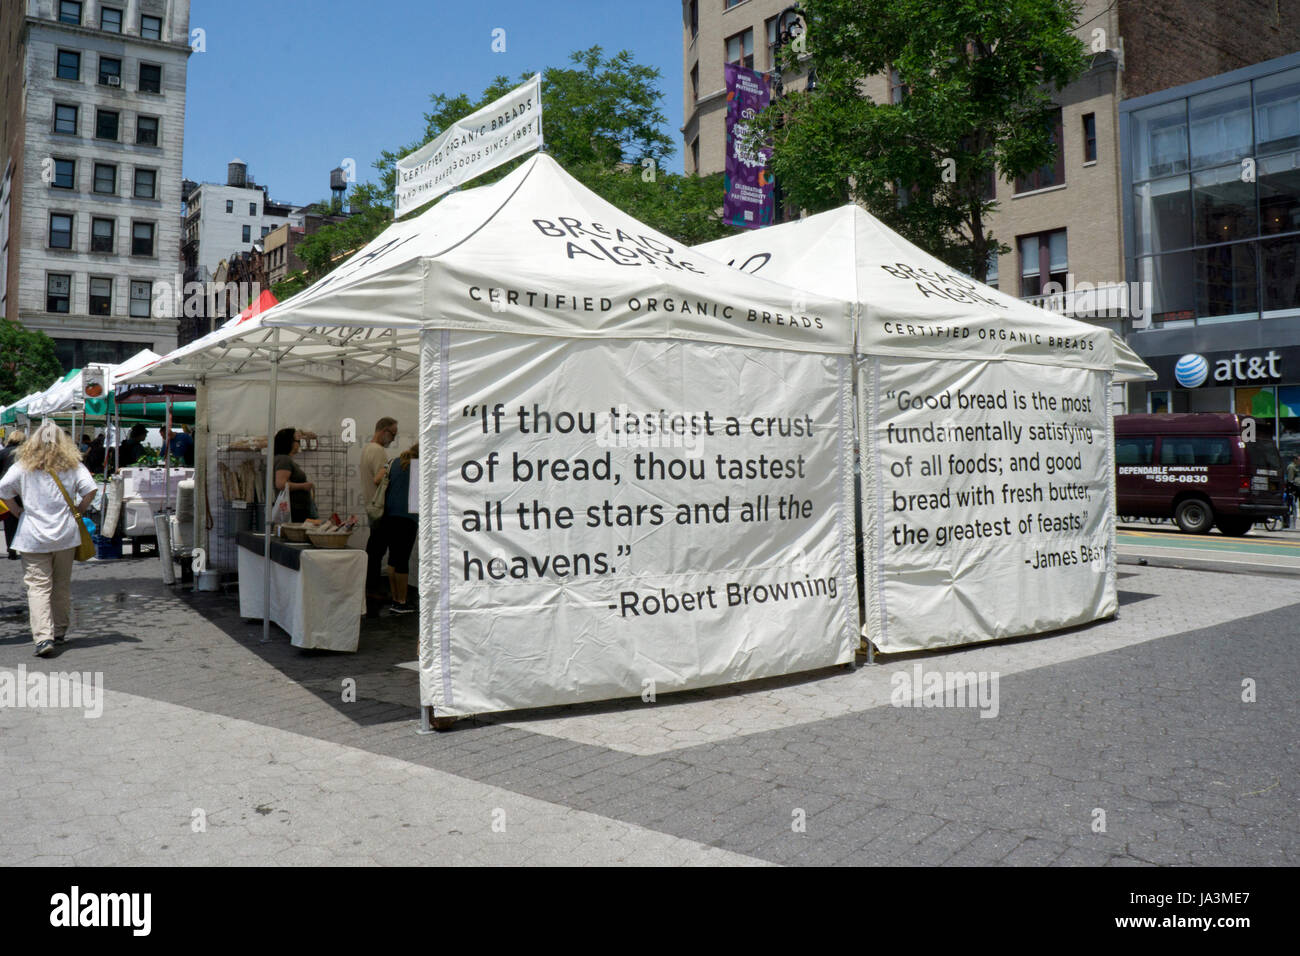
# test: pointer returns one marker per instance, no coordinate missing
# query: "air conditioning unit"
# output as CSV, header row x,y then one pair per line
x,y
114,81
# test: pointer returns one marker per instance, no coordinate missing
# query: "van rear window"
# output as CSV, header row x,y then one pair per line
x,y
1264,456
1190,450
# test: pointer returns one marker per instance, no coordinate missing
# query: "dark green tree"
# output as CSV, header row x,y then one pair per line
x,y
27,362
601,120
977,81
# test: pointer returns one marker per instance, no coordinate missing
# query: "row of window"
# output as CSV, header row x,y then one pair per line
x,y
110,19
103,234
230,207
108,124
148,77
58,295
104,182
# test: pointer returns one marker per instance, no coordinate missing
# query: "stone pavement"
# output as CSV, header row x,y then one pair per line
x,y
1137,722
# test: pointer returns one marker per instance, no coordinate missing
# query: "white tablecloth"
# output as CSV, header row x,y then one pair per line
x,y
320,604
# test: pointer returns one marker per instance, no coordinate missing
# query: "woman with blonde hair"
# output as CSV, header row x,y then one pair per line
x,y
48,465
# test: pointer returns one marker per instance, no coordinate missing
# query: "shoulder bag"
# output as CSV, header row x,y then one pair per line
x,y
86,549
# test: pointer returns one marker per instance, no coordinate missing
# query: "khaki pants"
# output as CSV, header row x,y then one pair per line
x,y
49,592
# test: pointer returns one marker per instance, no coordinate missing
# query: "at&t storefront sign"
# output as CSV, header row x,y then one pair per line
x,y
1193,370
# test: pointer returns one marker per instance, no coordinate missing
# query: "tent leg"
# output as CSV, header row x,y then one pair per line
x,y
270,496
426,720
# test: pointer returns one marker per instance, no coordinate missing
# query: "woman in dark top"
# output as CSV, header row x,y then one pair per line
x,y
289,475
400,527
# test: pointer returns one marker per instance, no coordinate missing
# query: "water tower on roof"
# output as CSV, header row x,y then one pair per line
x,y
237,173
338,185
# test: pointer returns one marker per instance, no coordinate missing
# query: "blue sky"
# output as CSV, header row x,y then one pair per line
x,y
293,87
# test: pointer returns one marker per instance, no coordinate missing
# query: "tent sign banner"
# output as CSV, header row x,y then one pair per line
x,y
749,198
500,131
630,518
987,490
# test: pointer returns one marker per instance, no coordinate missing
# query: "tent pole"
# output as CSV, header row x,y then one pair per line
x,y
270,492
167,457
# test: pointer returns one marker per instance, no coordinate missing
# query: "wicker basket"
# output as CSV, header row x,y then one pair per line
x,y
330,539
297,533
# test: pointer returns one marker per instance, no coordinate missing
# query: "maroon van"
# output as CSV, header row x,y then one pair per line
x,y
1196,469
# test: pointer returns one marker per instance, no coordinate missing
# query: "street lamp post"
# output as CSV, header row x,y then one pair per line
x,y
790,26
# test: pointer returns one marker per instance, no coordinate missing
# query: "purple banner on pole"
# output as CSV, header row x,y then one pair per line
x,y
749,197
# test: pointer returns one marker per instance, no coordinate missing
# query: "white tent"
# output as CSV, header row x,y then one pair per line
x,y
986,447
636,462
65,395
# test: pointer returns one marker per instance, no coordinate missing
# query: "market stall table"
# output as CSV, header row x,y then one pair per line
x,y
317,595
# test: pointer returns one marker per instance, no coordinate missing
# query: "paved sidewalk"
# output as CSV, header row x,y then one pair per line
x,y
1141,718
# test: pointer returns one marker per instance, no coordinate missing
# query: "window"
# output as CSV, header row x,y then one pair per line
x,y
151,28
1051,173
65,174
897,88
740,49
106,124
1277,112
695,18
1223,207
695,155
695,82
142,239
70,12
1043,259
252,209
105,178
1089,137
110,20
146,131
69,65
1134,450
1160,141
141,297
58,292
1218,126
60,231
265,230
146,184
65,118
101,235
150,78
110,71
1194,450
247,234
101,296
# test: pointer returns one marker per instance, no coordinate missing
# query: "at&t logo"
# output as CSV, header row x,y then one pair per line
x,y
1191,371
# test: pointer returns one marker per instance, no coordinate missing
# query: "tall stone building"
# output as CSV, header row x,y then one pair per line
x,y
92,123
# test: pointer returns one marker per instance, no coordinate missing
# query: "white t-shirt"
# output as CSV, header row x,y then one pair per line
x,y
46,523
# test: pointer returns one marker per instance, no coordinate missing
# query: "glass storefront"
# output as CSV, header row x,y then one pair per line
x,y
1215,202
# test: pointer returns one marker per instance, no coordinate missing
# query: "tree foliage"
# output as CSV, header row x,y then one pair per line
x,y
27,362
978,79
601,120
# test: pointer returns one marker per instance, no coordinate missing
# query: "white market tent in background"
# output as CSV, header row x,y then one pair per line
x,y
957,567
66,395
514,313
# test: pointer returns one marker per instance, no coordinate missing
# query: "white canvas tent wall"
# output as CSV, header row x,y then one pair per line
x,y
534,291
924,331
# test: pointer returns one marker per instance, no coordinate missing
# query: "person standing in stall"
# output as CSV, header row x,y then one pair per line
x,y
374,465
289,474
400,527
